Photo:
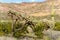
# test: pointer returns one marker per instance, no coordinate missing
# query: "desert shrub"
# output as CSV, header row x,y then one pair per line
x,y
5,27
57,26
20,32
8,27
38,29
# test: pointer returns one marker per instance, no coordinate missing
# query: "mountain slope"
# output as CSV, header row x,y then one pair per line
x,y
30,8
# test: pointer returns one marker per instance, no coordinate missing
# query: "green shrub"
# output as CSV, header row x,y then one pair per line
x,y
57,26
38,29
5,27
18,34
21,32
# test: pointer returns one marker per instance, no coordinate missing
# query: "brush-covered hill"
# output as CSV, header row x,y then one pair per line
x,y
32,8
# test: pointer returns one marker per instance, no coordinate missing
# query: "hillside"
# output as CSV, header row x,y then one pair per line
x,y
34,8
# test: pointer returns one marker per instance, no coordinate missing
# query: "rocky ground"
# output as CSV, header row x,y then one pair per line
x,y
52,34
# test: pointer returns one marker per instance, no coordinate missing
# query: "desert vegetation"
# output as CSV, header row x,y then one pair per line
x,y
37,22
19,26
